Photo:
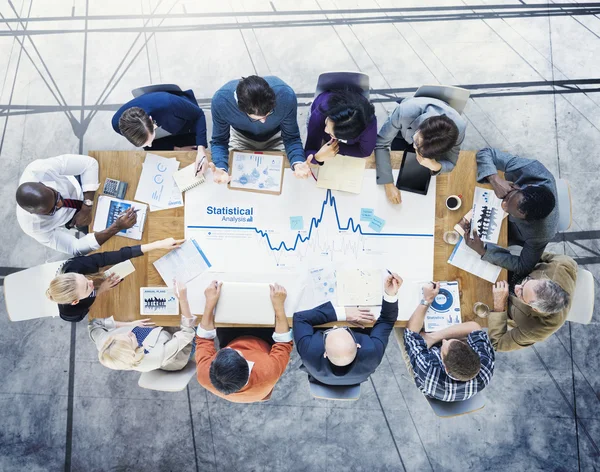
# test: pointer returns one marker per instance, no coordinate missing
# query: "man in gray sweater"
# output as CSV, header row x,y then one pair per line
x,y
529,196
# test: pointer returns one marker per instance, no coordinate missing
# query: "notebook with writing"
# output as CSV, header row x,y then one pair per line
x,y
186,178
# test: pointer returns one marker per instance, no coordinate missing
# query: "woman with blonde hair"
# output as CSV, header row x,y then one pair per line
x,y
81,280
141,346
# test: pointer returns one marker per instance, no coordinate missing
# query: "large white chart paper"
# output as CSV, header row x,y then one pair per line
x,y
252,239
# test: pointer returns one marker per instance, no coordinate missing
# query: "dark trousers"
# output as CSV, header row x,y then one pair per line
x,y
226,335
168,143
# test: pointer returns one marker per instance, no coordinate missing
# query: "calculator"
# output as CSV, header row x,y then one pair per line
x,y
115,188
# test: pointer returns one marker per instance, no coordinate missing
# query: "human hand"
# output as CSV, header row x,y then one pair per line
x,y
220,176
392,284
328,151
180,289
278,296
430,164
212,293
474,242
393,194
302,169
108,283
167,243
501,186
126,219
429,338
430,291
201,163
359,316
83,217
500,293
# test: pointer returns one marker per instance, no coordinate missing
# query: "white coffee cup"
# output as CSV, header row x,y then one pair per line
x,y
453,199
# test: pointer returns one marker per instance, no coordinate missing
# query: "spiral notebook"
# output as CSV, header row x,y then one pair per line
x,y
186,178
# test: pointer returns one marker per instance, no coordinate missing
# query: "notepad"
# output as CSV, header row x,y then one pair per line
x,y
186,178
359,287
122,269
342,173
245,303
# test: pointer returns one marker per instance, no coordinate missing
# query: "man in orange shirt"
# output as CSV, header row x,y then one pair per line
x,y
246,368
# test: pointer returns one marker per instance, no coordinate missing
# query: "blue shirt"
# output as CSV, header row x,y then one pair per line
x,y
225,113
431,376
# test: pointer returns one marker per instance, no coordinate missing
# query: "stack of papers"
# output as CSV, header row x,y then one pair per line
x,y
157,186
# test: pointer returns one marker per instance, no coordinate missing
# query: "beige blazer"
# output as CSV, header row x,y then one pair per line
x,y
166,351
529,325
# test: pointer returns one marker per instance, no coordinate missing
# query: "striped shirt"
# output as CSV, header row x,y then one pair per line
x,y
431,376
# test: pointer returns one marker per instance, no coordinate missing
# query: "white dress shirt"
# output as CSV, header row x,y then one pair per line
x,y
59,173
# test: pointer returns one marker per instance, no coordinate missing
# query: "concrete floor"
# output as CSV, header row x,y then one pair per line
x,y
534,74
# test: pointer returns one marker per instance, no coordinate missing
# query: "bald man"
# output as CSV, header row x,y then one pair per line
x,y
51,201
340,355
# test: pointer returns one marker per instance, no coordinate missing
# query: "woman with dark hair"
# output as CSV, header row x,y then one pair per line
x,y
341,121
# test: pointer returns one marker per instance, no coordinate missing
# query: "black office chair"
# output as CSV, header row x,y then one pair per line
x,y
155,88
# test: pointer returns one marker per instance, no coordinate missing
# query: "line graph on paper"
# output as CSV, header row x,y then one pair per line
x,y
254,235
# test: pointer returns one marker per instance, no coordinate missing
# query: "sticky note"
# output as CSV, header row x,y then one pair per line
x,y
366,214
296,223
377,223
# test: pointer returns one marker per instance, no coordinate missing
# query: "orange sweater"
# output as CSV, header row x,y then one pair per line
x,y
269,364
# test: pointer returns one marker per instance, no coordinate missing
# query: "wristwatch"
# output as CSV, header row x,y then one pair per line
x,y
425,302
88,202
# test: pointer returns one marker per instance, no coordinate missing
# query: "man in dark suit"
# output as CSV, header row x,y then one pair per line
x,y
341,356
528,192
163,121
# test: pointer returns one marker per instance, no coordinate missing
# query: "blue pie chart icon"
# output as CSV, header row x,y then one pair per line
x,y
443,301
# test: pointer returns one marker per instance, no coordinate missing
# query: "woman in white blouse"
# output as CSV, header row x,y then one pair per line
x,y
140,345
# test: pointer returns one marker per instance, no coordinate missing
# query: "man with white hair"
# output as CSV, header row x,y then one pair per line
x,y
340,355
538,307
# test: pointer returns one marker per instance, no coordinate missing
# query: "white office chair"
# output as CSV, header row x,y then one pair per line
x,y
155,88
456,97
338,80
450,409
565,212
25,292
167,380
582,304
334,392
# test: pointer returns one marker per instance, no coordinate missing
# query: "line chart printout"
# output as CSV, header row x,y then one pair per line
x,y
251,238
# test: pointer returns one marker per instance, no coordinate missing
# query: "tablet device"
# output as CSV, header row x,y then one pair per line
x,y
413,177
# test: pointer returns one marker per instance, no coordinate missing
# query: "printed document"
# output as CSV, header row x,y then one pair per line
x,y
109,209
466,259
184,263
258,172
342,173
487,215
156,181
359,287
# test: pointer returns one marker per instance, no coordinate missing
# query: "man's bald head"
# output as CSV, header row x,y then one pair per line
x,y
36,198
340,347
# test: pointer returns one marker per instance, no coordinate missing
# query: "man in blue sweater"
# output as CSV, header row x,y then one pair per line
x,y
163,121
341,356
259,114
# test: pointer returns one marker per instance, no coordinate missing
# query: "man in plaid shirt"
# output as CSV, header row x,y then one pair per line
x,y
445,365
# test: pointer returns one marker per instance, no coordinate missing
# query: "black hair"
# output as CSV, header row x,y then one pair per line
x,y
438,135
255,96
350,111
537,202
229,371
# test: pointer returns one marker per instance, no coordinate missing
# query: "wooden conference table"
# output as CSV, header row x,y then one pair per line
x,y
124,305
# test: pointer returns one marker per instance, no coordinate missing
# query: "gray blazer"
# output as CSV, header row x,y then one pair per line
x,y
532,235
165,351
405,120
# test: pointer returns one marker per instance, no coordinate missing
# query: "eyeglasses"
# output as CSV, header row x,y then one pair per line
x,y
326,332
254,120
